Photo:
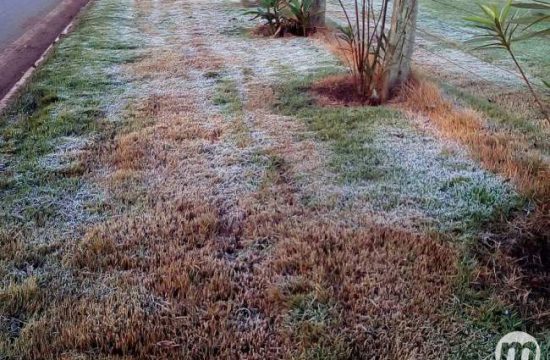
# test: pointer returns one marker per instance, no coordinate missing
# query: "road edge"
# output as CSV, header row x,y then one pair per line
x,y
14,90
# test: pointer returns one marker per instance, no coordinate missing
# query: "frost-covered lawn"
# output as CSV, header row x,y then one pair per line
x,y
171,189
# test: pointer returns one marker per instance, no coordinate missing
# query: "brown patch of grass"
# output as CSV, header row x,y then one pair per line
x,y
203,59
16,253
395,291
120,318
123,175
260,97
168,65
241,132
362,287
170,225
356,292
17,298
182,130
129,151
205,62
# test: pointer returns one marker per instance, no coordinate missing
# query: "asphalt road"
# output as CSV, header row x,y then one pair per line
x,y
27,28
17,16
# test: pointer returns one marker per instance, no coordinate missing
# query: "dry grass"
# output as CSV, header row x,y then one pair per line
x,y
260,97
129,152
169,66
203,58
17,298
186,282
330,39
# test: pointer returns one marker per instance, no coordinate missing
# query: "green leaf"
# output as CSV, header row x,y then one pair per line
x,y
480,20
541,33
532,19
505,11
480,38
490,11
538,5
490,46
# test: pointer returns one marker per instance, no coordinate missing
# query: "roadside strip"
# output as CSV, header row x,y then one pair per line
x,y
19,60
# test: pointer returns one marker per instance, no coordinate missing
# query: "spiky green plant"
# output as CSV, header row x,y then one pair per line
x,y
300,14
286,15
271,12
500,26
364,37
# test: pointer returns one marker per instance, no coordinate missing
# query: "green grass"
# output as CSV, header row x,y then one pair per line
x,y
67,101
306,308
397,166
66,98
348,130
227,96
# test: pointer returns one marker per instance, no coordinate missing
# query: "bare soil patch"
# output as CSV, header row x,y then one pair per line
x,y
338,90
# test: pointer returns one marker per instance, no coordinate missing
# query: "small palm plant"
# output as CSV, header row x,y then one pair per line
x,y
271,12
285,15
365,36
301,11
500,26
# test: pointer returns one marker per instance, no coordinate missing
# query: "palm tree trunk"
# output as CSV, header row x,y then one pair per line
x,y
400,47
318,11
